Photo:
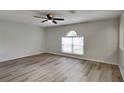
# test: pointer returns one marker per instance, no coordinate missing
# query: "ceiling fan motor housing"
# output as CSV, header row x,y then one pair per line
x,y
50,16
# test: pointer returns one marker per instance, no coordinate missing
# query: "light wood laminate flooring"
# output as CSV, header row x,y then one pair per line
x,y
53,68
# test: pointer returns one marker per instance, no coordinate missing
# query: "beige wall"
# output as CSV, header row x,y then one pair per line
x,y
100,39
19,40
121,65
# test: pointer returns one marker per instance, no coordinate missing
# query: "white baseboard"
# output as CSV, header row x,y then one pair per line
x,y
21,57
101,61
62,54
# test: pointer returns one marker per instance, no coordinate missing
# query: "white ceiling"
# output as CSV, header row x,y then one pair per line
x,y
71,17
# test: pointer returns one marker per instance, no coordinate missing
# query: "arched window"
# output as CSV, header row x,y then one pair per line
x,y
71,33
73,44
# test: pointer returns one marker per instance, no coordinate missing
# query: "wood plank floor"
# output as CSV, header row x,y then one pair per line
x,y
53,68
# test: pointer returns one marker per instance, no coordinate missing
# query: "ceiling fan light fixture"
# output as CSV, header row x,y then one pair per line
x,y
50,21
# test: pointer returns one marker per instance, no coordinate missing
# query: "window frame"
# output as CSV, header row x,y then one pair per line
x,y
72,45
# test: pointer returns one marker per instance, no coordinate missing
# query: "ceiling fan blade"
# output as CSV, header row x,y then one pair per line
x,y
40,17
43,21
58,19
54,22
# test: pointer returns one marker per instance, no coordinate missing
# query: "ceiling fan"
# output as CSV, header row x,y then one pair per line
x,y
50,18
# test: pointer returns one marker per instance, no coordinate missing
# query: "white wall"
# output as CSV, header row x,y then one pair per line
x,y
121,65
100,39
19,40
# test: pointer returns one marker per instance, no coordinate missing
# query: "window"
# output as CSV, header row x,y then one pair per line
x,y
71,33
73,44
